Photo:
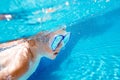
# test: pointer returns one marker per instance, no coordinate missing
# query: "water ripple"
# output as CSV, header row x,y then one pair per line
x,y
89,67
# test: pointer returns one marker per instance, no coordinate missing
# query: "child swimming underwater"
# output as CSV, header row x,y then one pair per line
x,y
20,58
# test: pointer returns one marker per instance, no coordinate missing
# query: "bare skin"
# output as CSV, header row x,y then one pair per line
x,y
5,17
2,17
20,61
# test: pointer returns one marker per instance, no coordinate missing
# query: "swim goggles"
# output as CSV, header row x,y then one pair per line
x,y
58,39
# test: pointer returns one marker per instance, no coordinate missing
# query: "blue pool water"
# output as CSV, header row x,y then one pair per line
x,y
93,52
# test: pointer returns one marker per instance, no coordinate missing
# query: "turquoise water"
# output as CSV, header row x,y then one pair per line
x,y
93,52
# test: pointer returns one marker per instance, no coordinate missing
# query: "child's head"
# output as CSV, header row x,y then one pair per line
x,y
45,41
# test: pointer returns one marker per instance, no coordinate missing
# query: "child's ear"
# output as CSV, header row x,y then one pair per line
x,y
31,42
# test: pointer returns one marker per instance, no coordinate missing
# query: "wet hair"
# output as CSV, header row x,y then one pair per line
x,y
42,37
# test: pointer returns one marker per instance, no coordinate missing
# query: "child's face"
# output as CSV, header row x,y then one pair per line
x,y
45,44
